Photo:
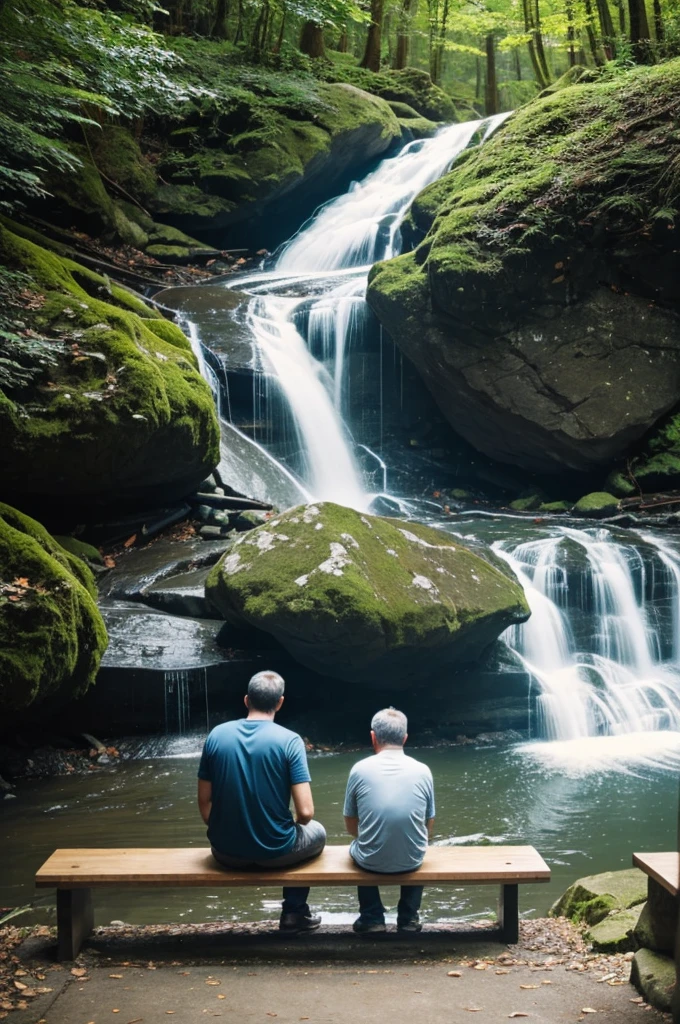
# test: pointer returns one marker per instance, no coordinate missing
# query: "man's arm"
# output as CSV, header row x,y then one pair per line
x,y
304,804
352,825
430,826
204,798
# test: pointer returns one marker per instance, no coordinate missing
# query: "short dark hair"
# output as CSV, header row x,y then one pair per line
x,y
265,690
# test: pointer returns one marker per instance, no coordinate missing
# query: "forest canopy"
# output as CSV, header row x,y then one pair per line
x,y
66,65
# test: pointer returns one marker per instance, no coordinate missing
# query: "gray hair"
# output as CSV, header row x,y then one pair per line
x,y
265,690
390,726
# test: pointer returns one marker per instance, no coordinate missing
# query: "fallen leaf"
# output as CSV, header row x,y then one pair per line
x,y
588,1009
211,981
221,996
115,975
528,986
503,970
454,974
20,973
130,541
518,1013
20,985
480,967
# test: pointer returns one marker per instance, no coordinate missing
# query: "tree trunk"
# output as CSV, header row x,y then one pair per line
x,y
404,20
607,28
571,34
311,40
542,78
659,30
540,49
491,103
239,24
279,40
371,59
622,16
478,78
518,67
639,31
343,42
598,58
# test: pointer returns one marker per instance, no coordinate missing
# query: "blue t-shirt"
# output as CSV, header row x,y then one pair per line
x,y
252,765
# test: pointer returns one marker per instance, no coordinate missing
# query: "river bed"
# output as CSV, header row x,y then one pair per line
x,y
583,821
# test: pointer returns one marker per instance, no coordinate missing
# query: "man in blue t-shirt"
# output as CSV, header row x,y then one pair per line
x,y
249,770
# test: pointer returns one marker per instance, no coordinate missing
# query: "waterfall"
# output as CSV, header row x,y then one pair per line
x,y
309,309
593,643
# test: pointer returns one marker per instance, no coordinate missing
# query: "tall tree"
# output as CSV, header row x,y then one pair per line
x,y
407,12
311,39
371,58
640,36
491,101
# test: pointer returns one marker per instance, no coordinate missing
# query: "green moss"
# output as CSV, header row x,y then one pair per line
x,y
653,974
125,411
620,484
614,934
527,503
52,636
118,156
409,86
555,506
592,898
348,592
81,549
596,502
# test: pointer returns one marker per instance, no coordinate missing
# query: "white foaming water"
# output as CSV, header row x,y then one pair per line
x,y
341,242
609,693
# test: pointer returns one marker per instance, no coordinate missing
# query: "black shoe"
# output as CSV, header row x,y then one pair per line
x,y
368,927
298,923
410,926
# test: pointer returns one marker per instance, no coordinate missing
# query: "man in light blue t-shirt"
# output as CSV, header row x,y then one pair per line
x,y
249,771
389,808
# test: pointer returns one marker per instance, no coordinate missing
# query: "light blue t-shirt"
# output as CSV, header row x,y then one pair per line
x,y
392,795
252,765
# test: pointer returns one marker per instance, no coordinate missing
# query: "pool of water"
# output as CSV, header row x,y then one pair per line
x,y
586,810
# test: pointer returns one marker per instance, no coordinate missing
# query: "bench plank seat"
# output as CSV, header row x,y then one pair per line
x,y
664,868
76,872
194,866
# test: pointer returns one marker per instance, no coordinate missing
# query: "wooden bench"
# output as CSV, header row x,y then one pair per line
x,y
663,868
76,872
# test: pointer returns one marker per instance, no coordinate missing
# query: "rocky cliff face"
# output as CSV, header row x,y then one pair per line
x,y
539,302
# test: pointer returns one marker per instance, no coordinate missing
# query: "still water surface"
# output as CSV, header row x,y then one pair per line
x,y
582,822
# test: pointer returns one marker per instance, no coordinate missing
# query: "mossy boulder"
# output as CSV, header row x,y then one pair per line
x,y
52,636
555,506
653,975
592,898
213,181
615,933
526,503
409,86
81,549
365,599
596,505
413,124
106,407
540,301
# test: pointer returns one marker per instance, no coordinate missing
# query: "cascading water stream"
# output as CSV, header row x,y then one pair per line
x,y
593,650
332,254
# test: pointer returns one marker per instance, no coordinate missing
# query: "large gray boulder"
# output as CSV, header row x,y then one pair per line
x,y
368,600
539,302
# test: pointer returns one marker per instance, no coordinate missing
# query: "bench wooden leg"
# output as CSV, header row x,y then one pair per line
x,y
508,913
75,921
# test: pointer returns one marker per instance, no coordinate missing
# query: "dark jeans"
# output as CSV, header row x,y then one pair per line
x,y
372,911
310,840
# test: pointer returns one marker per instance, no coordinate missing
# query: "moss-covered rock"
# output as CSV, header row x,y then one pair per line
x,y
526,503
52,636
540,301
413,124
214,181
590,899
81,549
620,484
653,975
363,598
409,86
555,506
615,933
596,505
111,409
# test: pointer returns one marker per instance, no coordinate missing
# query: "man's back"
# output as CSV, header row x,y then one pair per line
x,y
252,765
392,795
